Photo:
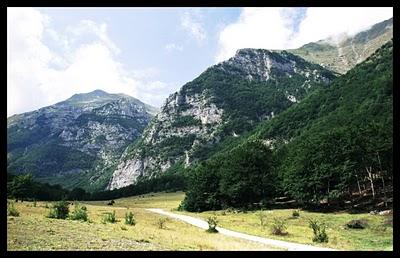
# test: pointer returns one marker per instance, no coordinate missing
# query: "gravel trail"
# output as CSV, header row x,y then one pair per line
x,y
271,242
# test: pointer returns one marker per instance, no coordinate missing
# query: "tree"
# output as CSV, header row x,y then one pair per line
x,y
77,194
21,187
247,176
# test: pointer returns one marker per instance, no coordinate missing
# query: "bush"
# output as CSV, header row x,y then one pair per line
x,y
130,219
212,224
111,202
278,227
79,213
109,217
34,203
318,228
262,217
357,224
60,210
161,222
12,211
296,214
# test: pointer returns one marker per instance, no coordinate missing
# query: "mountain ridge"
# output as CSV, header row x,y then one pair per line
x,y
79,136
205,110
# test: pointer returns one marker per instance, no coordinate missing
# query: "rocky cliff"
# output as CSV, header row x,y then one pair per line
x,y
224,101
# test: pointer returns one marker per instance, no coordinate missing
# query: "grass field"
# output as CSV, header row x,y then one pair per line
x,y
33,231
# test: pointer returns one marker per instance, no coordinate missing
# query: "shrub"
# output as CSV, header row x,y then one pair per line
x,y
79,213
109,217
123,228
130,219
111,202
262,217
318,228
296,214
60,210
357,224
161,222
278,227
12,211
34,203
212,224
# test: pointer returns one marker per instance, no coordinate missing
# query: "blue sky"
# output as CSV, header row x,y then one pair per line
x,y
149,53
142,35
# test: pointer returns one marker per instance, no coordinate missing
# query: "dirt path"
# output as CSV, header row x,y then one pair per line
x,y
271,242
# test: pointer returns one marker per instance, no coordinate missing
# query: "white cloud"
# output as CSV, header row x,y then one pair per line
x,y
171,46
88,27
320,23
38,76
273,28
192,24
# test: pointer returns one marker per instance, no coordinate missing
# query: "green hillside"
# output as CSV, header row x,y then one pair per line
x,y
316,151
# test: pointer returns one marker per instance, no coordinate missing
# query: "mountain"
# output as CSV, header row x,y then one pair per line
x,y
334,147
343,53
74,142
226,100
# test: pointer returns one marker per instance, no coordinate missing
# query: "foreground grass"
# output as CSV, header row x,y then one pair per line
x,y
377,236
32,231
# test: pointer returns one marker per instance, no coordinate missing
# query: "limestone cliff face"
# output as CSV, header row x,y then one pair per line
x,y
198,115
190,127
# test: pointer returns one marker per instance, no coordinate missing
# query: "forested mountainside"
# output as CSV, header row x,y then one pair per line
x,y
336,145
74,142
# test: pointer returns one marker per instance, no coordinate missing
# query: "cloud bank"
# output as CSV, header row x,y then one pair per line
x,y
284,28
85,60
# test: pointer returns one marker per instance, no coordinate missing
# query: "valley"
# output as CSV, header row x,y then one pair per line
x,y
33,231
288,149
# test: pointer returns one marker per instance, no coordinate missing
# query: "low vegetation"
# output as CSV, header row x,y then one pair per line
x,y
319,232
278,227
33,231
357,224
130,219
212,224
60,210
11,210
262,216
79,213
162,223
109,217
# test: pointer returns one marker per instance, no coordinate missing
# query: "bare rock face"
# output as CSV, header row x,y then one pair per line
x,y
196,116
199,123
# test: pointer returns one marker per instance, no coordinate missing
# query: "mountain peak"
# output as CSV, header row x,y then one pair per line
x,y
93,94
264,65
251,51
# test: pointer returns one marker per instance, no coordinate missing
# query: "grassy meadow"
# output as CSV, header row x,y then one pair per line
x,y
31,230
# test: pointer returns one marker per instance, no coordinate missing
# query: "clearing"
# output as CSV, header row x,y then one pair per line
x,y
33,231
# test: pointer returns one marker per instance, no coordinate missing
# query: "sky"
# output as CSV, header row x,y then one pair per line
x,y
149,53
